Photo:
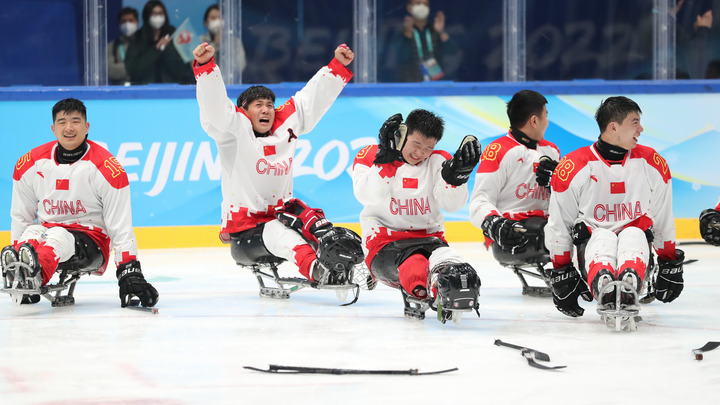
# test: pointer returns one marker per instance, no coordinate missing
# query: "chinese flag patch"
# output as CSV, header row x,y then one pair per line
x,y
62,184
617,188
410,182
269,150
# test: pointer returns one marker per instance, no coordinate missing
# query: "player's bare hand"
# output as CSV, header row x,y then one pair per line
x,y
203,53
344,55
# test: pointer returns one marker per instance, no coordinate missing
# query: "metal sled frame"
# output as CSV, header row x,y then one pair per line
x,y
287,285
52,292
524,270
415,309
618,316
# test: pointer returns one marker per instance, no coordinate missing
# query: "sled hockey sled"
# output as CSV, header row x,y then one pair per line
x,y
52,292
622,317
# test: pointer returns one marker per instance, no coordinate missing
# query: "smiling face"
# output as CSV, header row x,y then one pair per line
x,y
262,114
417,147
625,134
70,129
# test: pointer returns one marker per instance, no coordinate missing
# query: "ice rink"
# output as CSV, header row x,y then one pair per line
x,y
212,322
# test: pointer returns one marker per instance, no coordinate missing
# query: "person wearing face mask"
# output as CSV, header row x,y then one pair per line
x,y
403,184
151,56
423,46
213,22
128,21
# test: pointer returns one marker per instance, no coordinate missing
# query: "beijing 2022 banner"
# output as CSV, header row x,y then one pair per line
x,y
174,170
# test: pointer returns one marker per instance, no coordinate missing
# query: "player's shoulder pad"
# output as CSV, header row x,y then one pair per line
x,y
107,165
654,160
569,166
366,156
442,153
494,153
282,113
28,160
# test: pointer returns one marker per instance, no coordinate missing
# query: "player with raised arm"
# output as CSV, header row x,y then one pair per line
x,y
70,206
612,200
256,143
403,183
510,199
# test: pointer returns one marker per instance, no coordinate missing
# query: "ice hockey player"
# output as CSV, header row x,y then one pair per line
x,y
403,183
710,225
256,145
612,199
70,204
510,199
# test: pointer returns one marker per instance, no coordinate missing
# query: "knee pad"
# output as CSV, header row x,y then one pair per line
x,y
458,285
386,262
247,247
339,249
87,255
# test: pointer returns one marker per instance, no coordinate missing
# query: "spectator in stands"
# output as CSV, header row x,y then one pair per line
x,y
694,20
128,22
151,56
213,23
423,47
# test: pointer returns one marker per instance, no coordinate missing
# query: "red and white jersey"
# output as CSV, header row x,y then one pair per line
x,y
401,200
505,181
91,195
587,188
257,172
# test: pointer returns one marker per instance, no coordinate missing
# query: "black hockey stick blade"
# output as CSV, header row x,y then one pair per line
x,y
135,305
273,368
537,354
528,354
706,348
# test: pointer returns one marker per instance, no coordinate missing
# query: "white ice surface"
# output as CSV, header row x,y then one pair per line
x,y
212,323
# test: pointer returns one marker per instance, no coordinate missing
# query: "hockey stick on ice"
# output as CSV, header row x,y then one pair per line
x,y
706,348
135,304
273,368
538,355
528,354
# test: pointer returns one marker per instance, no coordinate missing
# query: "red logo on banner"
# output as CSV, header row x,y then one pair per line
x,y
617,188
184,37
410,183
269,150
62,184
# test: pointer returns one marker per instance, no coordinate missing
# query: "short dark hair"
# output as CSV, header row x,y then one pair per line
x,y
615,109
253,93
426,123
128,10
523,105
69,105
209,9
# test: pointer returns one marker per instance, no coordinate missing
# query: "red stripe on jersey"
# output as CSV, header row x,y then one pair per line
x,y
654,159
617,187
282,113
107,165
62,184
243,220
199,69
96,234
561,260
269,150
409,182
569,166
535,166
28,160
339,69
384,236
493,154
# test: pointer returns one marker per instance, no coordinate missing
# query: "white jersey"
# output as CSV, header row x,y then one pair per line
x,y
91,195
257,172
505,182
401,200
587,188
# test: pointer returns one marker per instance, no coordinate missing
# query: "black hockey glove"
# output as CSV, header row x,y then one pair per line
x,y
505,232
545,169
388,147
132,283
567,286
710,226
309,222
669,282
456,170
